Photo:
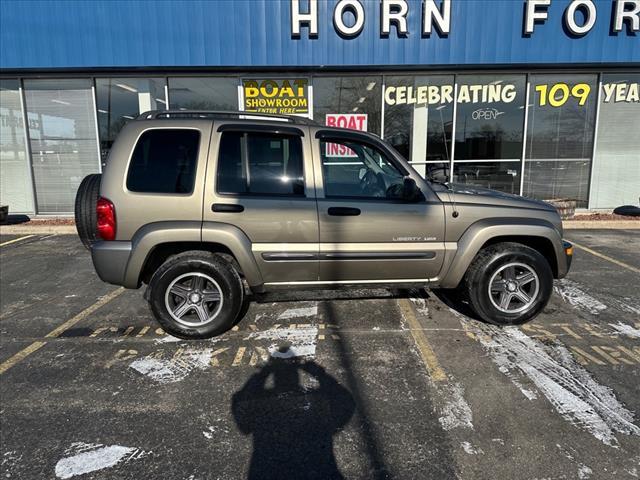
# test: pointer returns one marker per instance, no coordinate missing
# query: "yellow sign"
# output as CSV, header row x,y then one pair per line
x,y
558,94
278,96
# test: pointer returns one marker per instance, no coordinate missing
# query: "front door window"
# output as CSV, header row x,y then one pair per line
x,y
355,170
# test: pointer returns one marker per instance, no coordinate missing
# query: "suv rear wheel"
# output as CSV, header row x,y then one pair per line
x,y
508,283
195,295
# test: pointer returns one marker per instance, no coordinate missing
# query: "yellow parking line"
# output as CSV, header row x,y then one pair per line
x,y
426,352
9,242
605,257
21,355
25,352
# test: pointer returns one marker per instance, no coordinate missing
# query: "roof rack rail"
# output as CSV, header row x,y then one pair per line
x,y
158,114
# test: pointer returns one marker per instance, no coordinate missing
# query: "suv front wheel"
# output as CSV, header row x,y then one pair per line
x,y
195,295
508,283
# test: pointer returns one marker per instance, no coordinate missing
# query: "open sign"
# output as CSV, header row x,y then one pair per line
x,y
353,121
486,114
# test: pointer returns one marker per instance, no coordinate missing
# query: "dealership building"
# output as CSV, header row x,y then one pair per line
x,y
539,98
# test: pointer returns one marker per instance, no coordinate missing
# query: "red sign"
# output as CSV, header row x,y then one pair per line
x,y
353,121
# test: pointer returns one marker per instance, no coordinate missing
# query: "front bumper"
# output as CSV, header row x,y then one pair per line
x,y
110,260
567,247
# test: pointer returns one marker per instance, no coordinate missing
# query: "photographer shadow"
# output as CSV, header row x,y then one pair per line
x,y
292,422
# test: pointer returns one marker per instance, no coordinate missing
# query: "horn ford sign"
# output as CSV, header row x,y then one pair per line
x,y
349,16
281,96
354,121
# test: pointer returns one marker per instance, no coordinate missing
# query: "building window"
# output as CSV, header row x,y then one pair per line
x,y
490,130
353,169
351,102
120,100
16,189
203,93
260,164
560,137
62,132
164,161
418,121
616,167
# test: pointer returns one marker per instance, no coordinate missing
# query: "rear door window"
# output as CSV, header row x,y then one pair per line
x,y
260,164
164,161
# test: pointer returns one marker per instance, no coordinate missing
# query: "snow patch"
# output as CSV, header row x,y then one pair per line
x,y
300,341
299,312
456,411
420,303
584,472
169,339
9,461
572,391
624,329
470,449
571,293
87,457
174,369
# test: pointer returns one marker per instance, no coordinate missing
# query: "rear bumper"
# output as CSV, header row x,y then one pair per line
x,y
110,260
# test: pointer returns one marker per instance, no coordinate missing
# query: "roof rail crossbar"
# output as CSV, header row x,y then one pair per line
x,y
159,114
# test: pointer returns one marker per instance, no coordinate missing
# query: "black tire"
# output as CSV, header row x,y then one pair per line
x,y
85,209
628,211
488,264
198,262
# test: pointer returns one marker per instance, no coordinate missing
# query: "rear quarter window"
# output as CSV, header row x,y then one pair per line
x,y
164,161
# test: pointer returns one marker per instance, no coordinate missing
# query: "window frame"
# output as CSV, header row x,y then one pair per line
x,y
340,137
245,131
133,149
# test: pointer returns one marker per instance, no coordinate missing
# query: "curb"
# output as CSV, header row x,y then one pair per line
x,y
601,224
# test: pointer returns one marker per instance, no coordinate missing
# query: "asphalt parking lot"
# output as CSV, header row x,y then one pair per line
x,y
339,384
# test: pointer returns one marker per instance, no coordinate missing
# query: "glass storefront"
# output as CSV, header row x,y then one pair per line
x,y
616,161
489,131
64,144
543,135
203,93
120,100
422,132
346,96
560,132
16,189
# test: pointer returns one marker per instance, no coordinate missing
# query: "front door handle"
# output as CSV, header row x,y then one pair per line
x,y
344,211
227,208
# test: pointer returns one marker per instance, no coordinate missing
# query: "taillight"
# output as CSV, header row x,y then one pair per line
x,y
106,219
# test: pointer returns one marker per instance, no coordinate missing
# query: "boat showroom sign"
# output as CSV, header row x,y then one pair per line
x,y
282,96
349,16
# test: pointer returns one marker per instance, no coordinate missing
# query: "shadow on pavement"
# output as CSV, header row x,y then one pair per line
x,y
292,424
451,299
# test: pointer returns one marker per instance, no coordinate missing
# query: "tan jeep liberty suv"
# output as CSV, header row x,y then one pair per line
x,y
199,204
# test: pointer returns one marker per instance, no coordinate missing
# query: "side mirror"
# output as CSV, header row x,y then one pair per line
x,y
410,191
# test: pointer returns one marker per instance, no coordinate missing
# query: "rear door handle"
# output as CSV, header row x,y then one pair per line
x,y
227,207
344,211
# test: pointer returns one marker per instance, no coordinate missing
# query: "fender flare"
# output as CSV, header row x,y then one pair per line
x,y
237,241
482,231
153,234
